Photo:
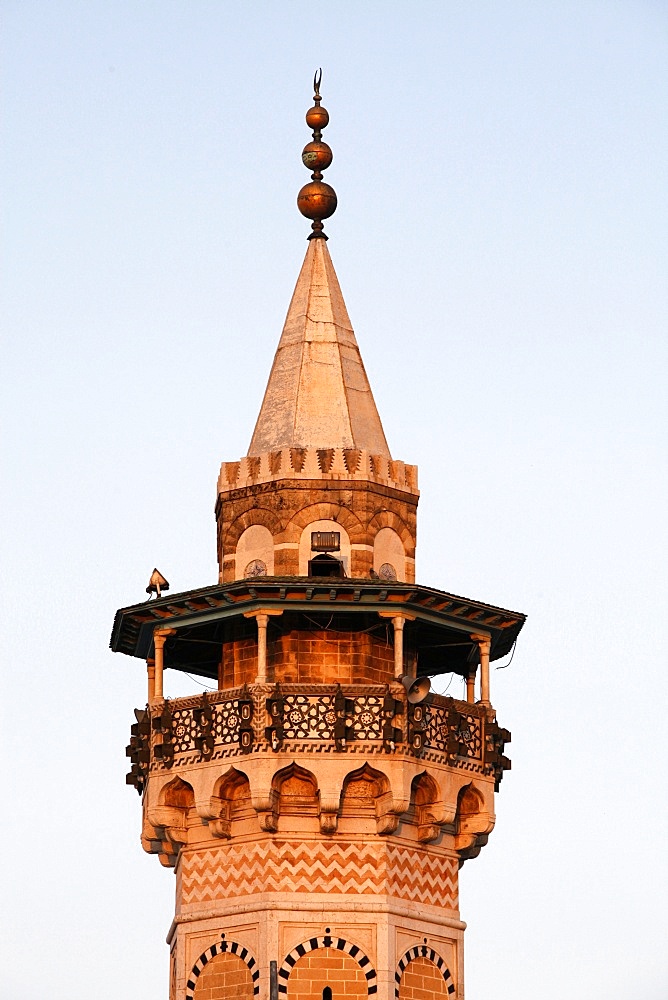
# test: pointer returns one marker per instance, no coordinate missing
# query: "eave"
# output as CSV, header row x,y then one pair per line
x,y
439,624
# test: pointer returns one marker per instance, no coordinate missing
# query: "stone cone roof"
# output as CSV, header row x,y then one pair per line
x,y
318,393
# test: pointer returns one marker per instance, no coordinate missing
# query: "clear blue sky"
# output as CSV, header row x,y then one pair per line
x,y
501,245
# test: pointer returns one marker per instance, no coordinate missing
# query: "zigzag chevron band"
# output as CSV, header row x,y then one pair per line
x,y
232,870
422,951
327,942
218,949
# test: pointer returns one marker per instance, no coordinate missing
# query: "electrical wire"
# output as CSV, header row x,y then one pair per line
x,y
340,631
512,653
205,686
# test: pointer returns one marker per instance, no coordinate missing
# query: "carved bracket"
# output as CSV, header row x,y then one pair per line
x,y
169,824
220,825
329,809
389,811
266,807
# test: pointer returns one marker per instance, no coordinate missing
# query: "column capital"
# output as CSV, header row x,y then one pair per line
x,y
161,635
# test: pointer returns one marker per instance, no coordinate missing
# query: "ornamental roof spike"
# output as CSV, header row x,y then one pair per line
x,y
318,394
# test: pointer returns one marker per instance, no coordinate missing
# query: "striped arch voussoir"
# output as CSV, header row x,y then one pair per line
x,y
423,951
220,948
387,519
325,511
339,944
249,519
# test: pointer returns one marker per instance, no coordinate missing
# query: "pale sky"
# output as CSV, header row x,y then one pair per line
x,y
501,245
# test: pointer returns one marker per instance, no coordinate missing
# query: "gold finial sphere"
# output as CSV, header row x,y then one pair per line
x,y
316,156
317,200
317,118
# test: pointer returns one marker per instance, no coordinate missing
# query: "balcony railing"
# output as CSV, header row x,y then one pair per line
x,y
364,719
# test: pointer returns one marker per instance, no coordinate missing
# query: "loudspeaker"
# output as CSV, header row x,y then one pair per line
x,y
156,584
417,688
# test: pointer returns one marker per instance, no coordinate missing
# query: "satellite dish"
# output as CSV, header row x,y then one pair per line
x,y
417,688
157,583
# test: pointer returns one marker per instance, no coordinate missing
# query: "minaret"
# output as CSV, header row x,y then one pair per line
x,y
317,804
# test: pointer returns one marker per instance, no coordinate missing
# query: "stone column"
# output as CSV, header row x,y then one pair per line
x,y
470,686
262,618
160,637
262,622
398,621
150,671
484,645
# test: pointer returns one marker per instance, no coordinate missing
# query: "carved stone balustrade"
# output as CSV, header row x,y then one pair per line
x,y
226,724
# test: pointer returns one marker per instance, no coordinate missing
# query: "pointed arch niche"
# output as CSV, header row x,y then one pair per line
x,y
232,800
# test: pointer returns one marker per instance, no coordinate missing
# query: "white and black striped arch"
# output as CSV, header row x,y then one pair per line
x,y
340,944
422,951
220,948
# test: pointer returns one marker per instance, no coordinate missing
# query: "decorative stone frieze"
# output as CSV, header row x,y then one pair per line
x,y
318,463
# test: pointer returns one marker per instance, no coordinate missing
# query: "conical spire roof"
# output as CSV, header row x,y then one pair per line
x,y
318,394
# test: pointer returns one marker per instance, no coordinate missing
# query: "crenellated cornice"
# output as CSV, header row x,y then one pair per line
x,y
326,464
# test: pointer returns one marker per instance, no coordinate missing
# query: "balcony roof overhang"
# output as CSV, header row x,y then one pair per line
x,y
439,625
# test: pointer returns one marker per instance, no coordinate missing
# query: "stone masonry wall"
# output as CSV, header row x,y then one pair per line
x,y
422,980
326,967
225,977
316,657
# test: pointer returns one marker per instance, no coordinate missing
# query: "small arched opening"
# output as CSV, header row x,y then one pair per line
x,y
325,565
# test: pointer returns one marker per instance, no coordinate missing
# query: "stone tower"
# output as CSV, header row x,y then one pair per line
x,y
317,803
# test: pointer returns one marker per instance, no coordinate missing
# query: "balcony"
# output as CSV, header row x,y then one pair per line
x,y
296,718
